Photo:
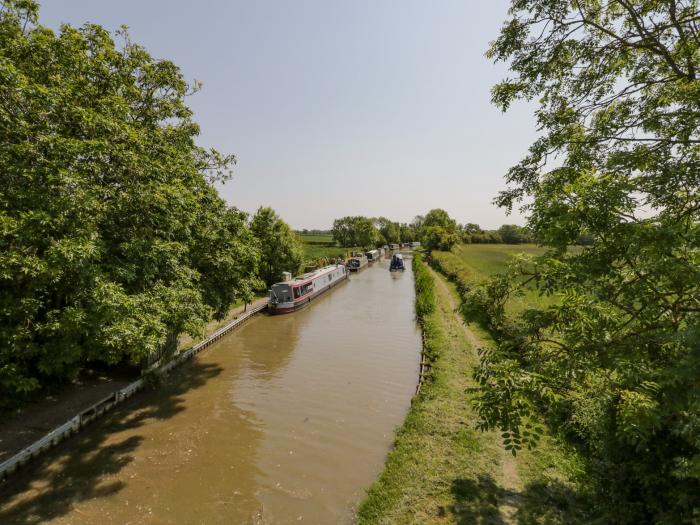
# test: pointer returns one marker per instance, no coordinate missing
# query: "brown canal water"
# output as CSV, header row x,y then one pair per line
x,y
287,420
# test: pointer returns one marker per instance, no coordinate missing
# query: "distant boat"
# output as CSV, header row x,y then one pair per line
x,y
293,294
357,262
397,263
373,255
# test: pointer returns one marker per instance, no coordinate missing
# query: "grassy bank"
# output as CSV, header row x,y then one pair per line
x,y
443,470
468,264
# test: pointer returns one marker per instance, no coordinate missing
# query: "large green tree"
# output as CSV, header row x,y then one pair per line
x,y
389,230
112,240
355,231
614,363
407,233
438,231
281,249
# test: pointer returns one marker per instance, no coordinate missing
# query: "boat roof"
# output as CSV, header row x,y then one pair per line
x,y
308,275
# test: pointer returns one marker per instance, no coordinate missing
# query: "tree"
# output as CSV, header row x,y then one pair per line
x,y
438,231
614,363
389,230
417,222
366,234
407,233
109,226
472,228
438,238
441,218
513,234
355,231
280,247
343,232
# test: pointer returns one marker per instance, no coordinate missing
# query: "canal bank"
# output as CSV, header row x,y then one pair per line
x,y
441,468
37,427
288,418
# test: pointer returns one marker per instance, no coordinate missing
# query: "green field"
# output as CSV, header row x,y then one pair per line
x,y
474,263
319,246
489,259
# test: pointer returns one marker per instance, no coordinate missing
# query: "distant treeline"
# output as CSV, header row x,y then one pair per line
x,y
435,230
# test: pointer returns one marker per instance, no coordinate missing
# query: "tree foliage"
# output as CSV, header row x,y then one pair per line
x,y
514,234
438,231
112,241
389,231
407,232
614,363
280,247
356,231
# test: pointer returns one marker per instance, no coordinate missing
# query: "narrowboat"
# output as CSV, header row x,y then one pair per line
x,y
393,246
293,294
397,263
357,262
373,256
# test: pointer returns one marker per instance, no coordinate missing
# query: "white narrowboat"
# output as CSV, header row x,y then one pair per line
x,y
293,294
373,256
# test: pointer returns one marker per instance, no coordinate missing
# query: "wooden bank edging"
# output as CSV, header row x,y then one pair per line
x,y
77,422
424,365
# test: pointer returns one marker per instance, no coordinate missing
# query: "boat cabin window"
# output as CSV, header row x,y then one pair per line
x,y
302,290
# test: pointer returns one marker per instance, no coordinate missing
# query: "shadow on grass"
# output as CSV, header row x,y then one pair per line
x,y
78,469
553,503
477,503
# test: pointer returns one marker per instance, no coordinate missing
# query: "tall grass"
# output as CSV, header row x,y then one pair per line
x,y
425,289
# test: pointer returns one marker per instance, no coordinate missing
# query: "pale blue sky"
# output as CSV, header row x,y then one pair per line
x,y
372,107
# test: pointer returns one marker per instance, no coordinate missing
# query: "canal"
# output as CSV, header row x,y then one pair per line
x,y
286,420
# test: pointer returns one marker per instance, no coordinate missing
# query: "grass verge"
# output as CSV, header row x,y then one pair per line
x,y
441,469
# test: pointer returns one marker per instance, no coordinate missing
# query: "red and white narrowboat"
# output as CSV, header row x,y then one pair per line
x,y
293,294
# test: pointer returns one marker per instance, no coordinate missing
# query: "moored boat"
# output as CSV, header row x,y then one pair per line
x,y
293,294
357,262
373,256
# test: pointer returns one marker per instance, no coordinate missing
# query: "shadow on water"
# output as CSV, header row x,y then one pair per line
x,y
552,502
79,469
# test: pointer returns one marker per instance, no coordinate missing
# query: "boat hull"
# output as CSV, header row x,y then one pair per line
x,y
274,310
